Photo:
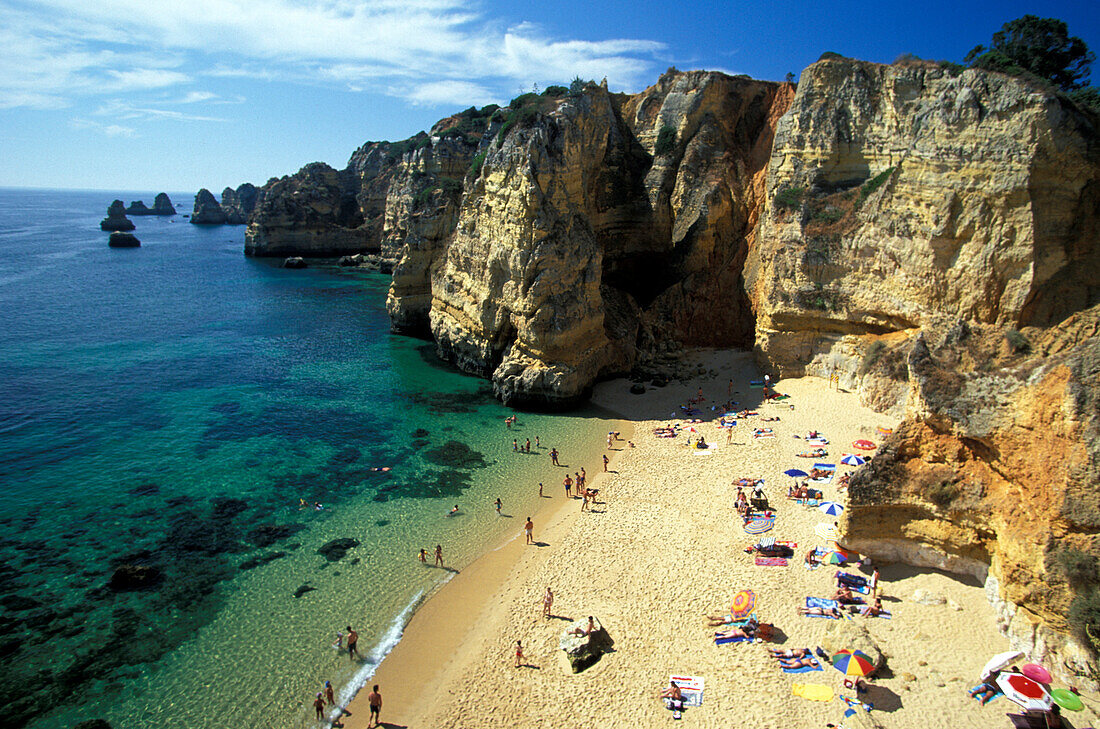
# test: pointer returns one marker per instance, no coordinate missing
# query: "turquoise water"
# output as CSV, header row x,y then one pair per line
x,y
167,408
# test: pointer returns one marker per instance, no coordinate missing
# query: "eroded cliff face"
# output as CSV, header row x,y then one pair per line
x,y
898,194
996,473
581,242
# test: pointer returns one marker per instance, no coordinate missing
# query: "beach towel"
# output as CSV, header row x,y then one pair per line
x,y
817,441
723,641
763,435
821,602
995,696
708,451
830,467
803,669
812,691
771,562
691,687
855,703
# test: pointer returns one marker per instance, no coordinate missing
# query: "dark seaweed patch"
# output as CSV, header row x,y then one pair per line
x,y
455,454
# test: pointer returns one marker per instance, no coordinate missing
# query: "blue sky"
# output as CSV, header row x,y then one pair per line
x,y
177,95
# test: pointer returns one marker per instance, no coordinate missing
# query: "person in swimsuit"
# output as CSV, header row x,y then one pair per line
x,y
375,700
528,528
801,652
605,462
568,487
319,706
540,489
804,662
423,556
554,456
547,602
353,640
674,698
438,555
497,504
519,653
329,695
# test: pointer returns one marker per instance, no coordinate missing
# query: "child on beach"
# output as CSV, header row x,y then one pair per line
x,y
519,653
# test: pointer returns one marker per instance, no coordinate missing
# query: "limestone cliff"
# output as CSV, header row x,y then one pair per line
x,y
234,209
580,239
896,194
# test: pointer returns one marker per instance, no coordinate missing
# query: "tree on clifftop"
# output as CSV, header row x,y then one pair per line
x,y
1039,46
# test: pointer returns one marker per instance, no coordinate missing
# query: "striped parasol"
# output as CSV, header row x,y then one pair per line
x,y
851,459
828,532
831,508
759,525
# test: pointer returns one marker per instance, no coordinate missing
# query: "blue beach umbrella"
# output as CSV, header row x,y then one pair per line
x,y
831,508
851,459
795,473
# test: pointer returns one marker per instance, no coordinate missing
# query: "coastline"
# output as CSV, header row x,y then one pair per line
x,y
664,549
441,621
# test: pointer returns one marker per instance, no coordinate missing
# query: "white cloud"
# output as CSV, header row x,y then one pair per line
x,y
126,111
111,130
427,51
435,93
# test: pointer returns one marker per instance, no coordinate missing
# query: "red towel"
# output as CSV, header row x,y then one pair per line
x,y
771,562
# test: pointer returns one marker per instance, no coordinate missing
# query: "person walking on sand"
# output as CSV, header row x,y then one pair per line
x,y
568,486
609,439
540,489
547,602
353,643
729,435
497,504
584,504
375,701
606,461
528,528
554,456
438,555
519,653
319,706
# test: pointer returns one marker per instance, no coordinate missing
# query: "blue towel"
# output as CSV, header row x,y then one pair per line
x,y
804,669
821,602
723,641
994,697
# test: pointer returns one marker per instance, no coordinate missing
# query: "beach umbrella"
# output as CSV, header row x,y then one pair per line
x,y
744,602
828,532
795,473
1067,699
759,525
834,557
853,663
851,459
1022,691
998,662
1036,672
831,508
864,445
885,431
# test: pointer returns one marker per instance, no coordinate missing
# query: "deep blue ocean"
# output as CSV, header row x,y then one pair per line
x,y
165,410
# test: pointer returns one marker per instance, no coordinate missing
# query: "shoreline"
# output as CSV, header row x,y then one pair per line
x,y
442,620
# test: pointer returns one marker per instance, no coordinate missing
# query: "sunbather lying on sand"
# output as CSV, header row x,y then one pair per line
x,y
803,662
716,621
773,419
985,692
776,653
746,632
820,473
827,612
815,453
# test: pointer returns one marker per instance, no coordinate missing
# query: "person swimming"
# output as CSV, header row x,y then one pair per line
x,y
453,511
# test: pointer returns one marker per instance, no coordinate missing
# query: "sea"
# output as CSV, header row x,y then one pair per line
x,y
210,466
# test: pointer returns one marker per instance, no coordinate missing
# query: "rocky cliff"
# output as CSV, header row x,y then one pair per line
x,y
931,238
234,209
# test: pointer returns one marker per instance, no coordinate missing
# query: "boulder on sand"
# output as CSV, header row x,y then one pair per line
x,y
584,650
845,634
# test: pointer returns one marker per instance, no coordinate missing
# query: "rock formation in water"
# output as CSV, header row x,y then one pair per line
x,y
116,218
162,205
137,207
234,209
119,239
207,210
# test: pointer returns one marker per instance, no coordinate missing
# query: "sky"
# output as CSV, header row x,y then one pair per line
x,y
178,95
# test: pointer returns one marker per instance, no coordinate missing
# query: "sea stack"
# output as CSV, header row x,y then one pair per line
x,y
116,218
162,205
207,210
137,207
123,240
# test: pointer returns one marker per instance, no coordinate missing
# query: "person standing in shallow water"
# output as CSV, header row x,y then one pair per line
x,y
319,706
353,641
528,529
605,462
498,505
554,456
438,555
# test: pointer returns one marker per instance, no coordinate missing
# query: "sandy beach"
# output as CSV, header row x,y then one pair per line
x,y
664,547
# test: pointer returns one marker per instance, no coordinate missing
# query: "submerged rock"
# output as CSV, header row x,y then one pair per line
x,y
116,218
130,577
303,590
295,262
123,240
336,549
